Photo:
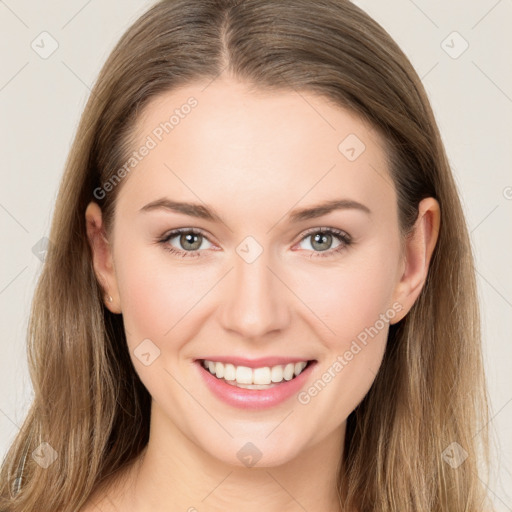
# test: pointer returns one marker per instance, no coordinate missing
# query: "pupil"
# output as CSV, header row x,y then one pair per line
x,y
189,239
321,238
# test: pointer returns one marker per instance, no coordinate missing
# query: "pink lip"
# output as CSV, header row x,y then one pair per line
x,y
254,363
253,398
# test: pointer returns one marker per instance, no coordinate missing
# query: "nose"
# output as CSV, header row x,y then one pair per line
x,y
254,301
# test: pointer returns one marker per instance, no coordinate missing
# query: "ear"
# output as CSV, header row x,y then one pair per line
x,y
419,246
102,256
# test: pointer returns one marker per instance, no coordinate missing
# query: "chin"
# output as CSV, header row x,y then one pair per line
x,y
254,452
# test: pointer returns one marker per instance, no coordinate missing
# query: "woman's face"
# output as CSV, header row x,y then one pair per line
x,y
295,257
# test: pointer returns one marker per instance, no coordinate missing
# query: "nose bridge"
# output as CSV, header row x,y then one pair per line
x,y
255,302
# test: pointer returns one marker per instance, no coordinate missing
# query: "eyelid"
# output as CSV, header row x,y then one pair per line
x,y
342,235
173,233
324,229
196,231
199,231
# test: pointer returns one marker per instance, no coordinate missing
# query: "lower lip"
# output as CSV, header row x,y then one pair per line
x,y
254,398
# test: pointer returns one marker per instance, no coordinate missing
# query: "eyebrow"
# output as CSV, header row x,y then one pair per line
x,y
298,215
191,209
327,207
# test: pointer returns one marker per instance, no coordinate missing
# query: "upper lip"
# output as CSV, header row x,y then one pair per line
x,y
255,363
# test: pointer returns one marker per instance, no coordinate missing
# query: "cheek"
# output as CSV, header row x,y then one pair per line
x,y
350,297
158,297
161,302
354,303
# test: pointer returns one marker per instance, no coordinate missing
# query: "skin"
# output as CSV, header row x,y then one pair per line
x,y
279,153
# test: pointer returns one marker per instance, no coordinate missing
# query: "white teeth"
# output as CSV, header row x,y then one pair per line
x,y
262,375
229,372
254,378
244,375
276,373
289,369
219,370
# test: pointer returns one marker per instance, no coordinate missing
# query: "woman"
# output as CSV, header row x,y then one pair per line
x,y
261,291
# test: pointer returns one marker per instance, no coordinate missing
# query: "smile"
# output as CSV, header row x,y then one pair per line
x,y
254,383
254,378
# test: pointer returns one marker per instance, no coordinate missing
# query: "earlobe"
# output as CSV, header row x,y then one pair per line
x,y
418,250
102,256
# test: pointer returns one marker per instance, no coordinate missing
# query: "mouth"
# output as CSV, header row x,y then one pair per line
x,y
255,375
254,384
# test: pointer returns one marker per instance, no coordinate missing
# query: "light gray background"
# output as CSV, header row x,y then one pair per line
x,y
41,101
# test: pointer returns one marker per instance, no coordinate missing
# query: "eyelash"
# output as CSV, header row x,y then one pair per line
x,y
343,237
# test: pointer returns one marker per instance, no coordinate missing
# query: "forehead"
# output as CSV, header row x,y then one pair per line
x,y
226,140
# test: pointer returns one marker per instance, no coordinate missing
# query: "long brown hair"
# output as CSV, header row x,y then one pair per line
x,y
89,404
